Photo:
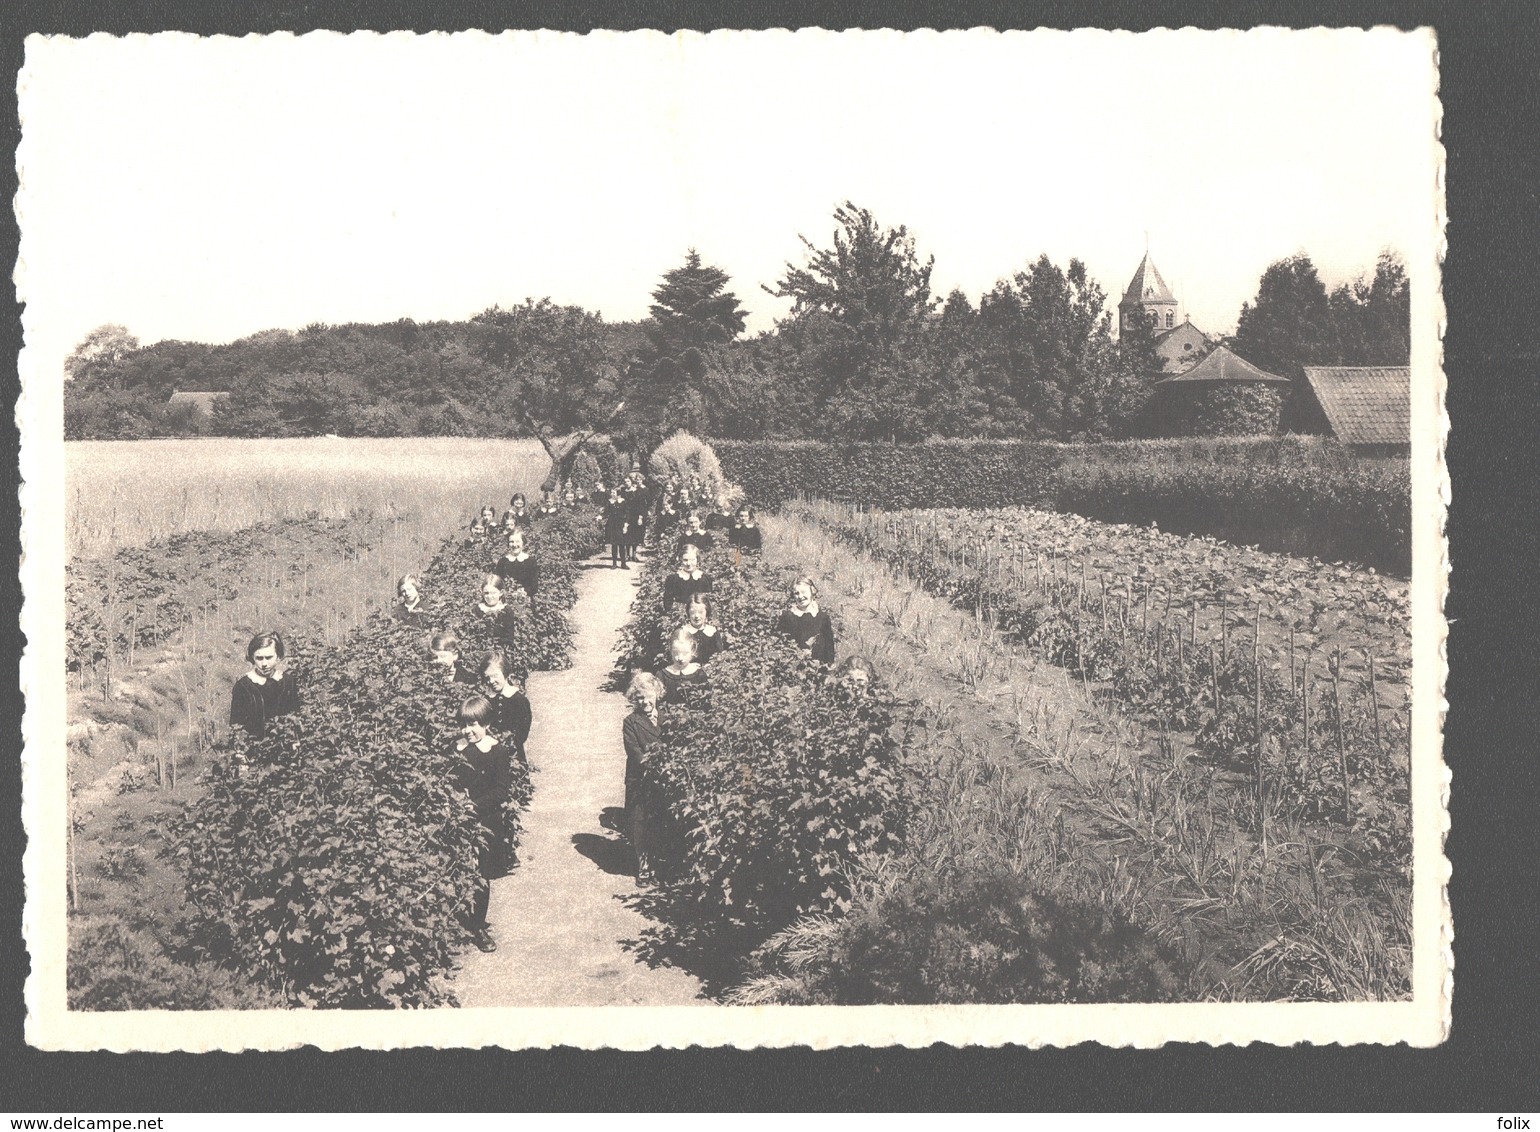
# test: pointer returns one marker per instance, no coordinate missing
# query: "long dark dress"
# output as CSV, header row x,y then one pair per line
x,y
675,683
643,811
511,718
707,645
617,519
487,776
525,575
813,632
677,591
253,705
745,538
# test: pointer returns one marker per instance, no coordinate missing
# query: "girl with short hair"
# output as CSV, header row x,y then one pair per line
x,y
745,533
266,692
806,624
485,773
700,620
638,733
685,582
518,566
511,714
445,647
408,608
683,670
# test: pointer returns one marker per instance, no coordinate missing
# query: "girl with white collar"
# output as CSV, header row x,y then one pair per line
x,y
266,692
806,624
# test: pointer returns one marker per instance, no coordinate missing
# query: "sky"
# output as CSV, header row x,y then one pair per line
x,y
209,189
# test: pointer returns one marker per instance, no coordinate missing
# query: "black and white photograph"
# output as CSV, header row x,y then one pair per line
x,y
734,539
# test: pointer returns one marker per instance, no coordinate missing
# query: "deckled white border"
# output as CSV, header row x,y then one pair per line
x,y
1424,1021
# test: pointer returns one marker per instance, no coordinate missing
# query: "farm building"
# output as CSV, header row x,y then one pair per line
x,y
203,402
1367,408
1223,395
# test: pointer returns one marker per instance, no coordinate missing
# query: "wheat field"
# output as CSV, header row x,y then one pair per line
x,y
127,493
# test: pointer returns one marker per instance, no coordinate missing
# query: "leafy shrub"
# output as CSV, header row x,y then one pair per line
x,y
112,967
683,455
776,782
1217,409
976,936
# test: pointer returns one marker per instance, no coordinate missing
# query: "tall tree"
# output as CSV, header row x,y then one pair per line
x,y
1372,316
859,314
1289,324
692,307
98,355
695,318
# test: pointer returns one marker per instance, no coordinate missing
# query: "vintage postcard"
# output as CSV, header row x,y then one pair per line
x,y
750,538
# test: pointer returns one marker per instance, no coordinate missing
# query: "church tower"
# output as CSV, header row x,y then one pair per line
x,y
1147,299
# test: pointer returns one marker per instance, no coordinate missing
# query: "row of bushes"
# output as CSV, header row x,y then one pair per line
x,y
333,859
1293,495
776,781
798,809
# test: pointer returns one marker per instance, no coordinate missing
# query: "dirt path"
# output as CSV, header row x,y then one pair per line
x,y
557,920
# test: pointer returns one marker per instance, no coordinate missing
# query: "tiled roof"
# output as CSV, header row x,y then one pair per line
x,y
1365,404
1223,365
1147,286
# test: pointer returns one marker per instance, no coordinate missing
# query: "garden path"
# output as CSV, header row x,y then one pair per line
x,y
557,918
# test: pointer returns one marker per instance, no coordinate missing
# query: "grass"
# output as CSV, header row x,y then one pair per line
x,y
1030,770
127,493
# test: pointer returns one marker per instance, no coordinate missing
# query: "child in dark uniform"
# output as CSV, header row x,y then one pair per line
x,y
264,693
701,617
408,608
806,624
519,567
638,732
617,526
518,514
511,714
683,669
485,773
696,534
445,647
685,582
745,533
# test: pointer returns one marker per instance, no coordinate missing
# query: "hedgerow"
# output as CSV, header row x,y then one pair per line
x,y
1289,494
332,859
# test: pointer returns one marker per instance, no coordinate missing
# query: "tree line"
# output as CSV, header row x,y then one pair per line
x,y
867,351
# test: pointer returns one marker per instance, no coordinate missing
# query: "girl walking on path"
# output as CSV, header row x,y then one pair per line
x,y
806,624
638,733
485,774
617,527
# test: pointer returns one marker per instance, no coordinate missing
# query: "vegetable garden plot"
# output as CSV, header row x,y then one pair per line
x,y
1290,671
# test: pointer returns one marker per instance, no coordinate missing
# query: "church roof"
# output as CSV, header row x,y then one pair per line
x,y
1365,404
1223,365
1147,286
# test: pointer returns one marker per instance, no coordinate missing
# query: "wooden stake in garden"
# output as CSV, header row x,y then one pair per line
x,y
1336,691
1224,628
1261,741
1374,709
1213,663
